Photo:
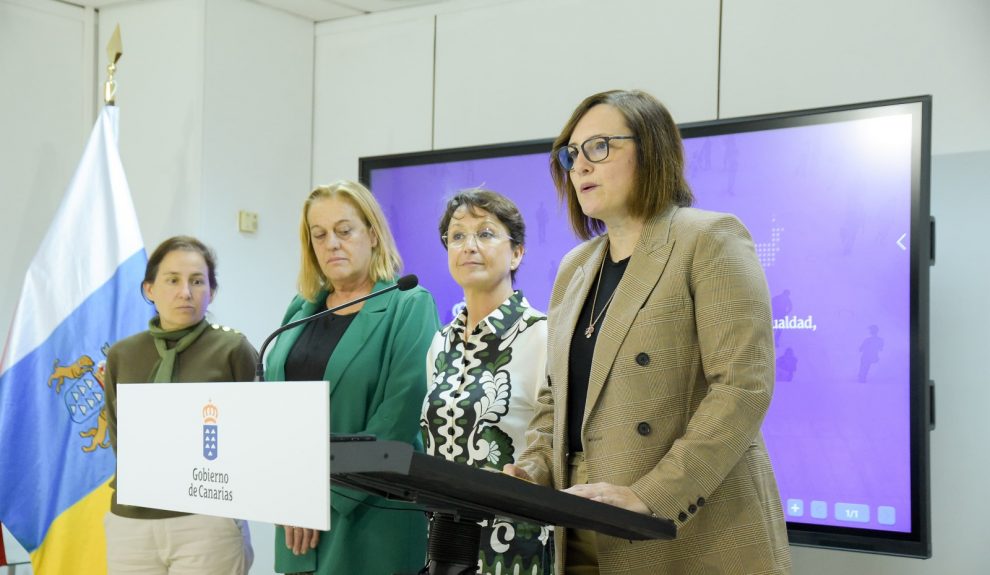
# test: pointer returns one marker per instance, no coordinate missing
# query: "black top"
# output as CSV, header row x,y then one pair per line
x,y
311,353
583,348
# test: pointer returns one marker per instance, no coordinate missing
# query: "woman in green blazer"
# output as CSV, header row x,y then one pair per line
x,y
373,356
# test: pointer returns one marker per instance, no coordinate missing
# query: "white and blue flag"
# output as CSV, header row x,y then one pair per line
x,y
81,294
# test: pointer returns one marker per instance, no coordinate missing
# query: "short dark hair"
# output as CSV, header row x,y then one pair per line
x,y
186,243
660,180
494,203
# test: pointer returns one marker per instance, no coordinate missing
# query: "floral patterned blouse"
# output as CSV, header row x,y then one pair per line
x,y
481,397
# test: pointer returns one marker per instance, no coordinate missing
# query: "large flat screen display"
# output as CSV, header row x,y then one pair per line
x,y
837,203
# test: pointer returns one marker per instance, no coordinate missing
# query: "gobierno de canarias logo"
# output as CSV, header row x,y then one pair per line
x,y
210,416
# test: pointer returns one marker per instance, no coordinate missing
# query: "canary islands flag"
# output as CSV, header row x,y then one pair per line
x,y
81,294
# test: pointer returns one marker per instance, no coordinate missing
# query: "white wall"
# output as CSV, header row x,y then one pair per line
x,y
160,96
257,143
958,342
473,73
782,55
216,116
514,71
373,91
46,113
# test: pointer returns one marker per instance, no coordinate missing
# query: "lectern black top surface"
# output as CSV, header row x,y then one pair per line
x,y
394,470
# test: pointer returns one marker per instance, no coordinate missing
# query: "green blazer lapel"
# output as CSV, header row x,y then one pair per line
x,y
283,344
648,261
367,319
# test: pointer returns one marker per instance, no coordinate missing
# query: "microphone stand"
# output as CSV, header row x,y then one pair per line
x,y
404,283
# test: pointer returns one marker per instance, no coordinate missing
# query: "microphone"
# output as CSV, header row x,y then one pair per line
x,y
404,283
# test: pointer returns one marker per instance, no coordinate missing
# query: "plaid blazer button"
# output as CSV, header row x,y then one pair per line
x,y
642,359
643,428
692,508
701,502
682,516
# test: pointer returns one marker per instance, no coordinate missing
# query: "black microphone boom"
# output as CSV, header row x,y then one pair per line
x,y
404,283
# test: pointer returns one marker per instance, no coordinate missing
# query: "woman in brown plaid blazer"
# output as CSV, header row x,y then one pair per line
x,y
660,363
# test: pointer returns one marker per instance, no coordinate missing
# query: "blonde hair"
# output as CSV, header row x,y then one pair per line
x,y
385,260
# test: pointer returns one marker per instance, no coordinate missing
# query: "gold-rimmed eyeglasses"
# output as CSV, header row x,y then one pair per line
x,y
485,238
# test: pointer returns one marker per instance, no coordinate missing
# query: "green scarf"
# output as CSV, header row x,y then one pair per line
x,y
183,338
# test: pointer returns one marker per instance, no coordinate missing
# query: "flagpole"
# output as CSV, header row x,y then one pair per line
x,y
54,439
114,52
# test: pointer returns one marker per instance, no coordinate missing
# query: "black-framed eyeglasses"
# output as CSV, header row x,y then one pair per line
x,y
595,149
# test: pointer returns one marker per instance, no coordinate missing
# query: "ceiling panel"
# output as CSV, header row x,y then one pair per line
x,y
315,10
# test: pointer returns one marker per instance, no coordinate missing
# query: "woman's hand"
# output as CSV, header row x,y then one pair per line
x,y
615,495
300,540
516,471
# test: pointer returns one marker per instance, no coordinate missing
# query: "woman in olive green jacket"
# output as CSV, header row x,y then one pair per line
x,y
373,356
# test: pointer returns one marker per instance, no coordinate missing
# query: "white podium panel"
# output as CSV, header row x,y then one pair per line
x,y
258,450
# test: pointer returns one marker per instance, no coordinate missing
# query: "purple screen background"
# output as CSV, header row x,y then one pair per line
x,y
828,206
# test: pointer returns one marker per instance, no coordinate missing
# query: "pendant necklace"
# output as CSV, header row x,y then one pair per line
x,y
594,320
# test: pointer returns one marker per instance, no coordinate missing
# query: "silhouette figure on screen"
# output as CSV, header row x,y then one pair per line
x,y
852,224
703,159
730,163
786,365
542,219
395,219
780,307
869,352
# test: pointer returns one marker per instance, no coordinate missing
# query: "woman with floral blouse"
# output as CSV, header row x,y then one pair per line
x,y
486,366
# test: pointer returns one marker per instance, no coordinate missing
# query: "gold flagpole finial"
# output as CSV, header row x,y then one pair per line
x,y
114,52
